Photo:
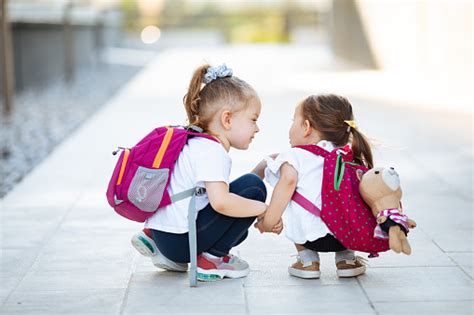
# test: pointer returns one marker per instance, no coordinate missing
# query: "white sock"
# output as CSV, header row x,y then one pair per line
x,y
308,255
211,256
345,255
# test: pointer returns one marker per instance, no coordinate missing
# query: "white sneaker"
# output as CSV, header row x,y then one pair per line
x,y
351,268
213,269
160,261
305,270
144,244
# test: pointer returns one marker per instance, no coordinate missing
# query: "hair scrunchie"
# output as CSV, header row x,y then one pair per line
x,y
213,73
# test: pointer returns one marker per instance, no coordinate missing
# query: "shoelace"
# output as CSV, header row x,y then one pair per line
x,y
359,259
233,258
298,259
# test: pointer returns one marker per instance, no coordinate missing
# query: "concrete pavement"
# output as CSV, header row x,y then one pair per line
x,y
63,250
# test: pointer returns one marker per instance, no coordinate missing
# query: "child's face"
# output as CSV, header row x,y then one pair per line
x,y
244,125
297,129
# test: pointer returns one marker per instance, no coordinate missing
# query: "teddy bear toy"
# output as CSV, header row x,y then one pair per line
x,y
380,189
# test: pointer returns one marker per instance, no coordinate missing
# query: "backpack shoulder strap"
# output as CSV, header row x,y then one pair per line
x,y
306,204
314,149
202,135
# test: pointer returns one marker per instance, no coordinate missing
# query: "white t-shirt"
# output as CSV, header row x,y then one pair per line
x,y
201,160
300,225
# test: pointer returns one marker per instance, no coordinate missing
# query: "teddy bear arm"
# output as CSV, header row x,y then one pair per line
x,y
411,223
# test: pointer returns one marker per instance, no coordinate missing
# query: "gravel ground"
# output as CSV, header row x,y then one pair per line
x,y
43,118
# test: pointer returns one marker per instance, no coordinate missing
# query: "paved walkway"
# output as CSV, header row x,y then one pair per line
x,y
63,250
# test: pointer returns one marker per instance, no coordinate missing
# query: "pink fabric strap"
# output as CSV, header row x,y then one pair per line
x,y
306,204
314,149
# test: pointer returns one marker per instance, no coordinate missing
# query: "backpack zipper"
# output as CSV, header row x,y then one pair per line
x,y
118,150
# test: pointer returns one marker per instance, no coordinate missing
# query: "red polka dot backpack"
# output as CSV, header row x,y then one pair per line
x,y
345,213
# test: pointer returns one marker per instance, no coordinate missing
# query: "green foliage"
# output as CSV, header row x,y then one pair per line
x,y
246,25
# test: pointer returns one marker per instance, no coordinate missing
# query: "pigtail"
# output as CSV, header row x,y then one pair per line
x,y
361,149
192,100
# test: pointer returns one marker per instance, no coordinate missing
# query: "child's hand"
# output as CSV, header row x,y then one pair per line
x,y
259,225
278,227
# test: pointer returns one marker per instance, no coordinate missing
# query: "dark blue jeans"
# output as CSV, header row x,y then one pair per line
x,y
216,233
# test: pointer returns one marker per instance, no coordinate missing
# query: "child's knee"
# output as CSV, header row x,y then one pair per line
x,y
255,181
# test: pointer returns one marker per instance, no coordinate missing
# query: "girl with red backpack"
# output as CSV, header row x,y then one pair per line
x,y
321,123
226,109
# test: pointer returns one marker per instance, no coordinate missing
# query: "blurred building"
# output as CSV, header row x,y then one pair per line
x,y
427,39
53,39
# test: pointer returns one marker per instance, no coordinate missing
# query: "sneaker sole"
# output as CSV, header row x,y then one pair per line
x,y
144,245
209,275
162,262
349,273
304,274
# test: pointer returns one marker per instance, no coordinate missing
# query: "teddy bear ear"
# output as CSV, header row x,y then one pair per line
x,y
359,173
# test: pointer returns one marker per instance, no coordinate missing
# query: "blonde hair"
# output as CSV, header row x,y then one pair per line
x,y
202,102
327,114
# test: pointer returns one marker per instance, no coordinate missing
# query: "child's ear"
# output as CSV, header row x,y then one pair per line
x,y
307,128
226,119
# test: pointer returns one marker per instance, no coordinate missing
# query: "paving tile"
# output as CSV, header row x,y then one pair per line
x,y
31,239
465,261
9,283
146,294
428,307
454,240
198,308
417,284
16,261
81,301
272,271
424,253
39,280
287,299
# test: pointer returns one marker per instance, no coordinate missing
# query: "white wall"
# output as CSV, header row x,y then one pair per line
x,y
432,39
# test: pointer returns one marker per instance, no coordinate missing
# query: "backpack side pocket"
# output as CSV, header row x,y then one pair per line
x,y
147,188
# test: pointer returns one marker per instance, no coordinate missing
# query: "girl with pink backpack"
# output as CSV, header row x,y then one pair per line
x,y
225,110
322,128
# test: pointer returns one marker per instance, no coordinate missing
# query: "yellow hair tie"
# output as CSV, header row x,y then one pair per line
x,y
351,123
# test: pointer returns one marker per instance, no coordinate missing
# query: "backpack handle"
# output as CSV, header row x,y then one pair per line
x,y
339,171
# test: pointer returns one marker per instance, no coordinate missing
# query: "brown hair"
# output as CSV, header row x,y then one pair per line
x,y
326,114
201,103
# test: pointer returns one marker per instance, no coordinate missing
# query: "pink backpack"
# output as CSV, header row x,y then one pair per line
x,y
347,216
138,187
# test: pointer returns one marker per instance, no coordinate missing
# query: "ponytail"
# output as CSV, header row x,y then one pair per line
x,y
361,149
192,100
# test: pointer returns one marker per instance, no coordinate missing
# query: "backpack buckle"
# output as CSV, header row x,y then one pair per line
x,y
200,191
195,128
344,150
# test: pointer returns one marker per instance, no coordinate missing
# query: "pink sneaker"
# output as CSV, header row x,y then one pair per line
x,y
213,269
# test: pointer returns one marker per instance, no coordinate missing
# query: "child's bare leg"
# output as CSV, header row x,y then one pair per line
x,y
299,247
